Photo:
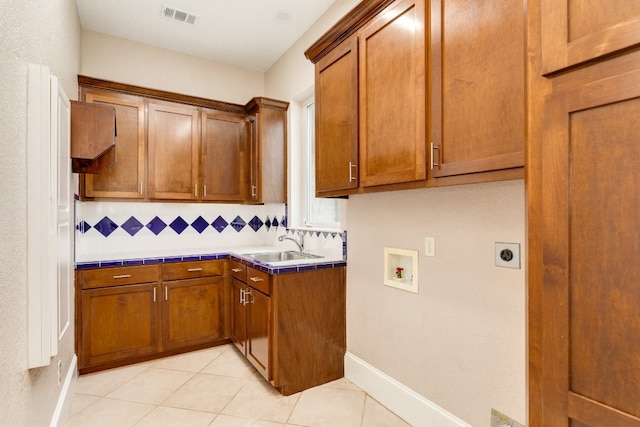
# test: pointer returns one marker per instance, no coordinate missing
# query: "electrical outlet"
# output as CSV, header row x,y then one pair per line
x,y
59,372
430,246
507,255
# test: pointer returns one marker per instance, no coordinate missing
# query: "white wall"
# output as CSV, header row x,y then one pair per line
x,y
124,61
460,342
45,32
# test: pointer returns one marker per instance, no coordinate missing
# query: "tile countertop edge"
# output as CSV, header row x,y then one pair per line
x,y
301,265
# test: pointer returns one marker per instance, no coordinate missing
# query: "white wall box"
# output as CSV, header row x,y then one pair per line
x,y
49,226
401,269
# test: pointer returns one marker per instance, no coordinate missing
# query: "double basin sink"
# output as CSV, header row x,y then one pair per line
x,y
270,257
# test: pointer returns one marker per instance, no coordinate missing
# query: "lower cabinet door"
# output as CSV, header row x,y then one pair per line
x,y
239,315
258,346
192,312
118,323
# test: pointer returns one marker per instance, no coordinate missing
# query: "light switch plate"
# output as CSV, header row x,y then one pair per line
x,y
430,246
507,255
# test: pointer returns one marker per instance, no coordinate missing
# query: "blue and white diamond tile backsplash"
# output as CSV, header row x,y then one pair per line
x,y
108,229
111,230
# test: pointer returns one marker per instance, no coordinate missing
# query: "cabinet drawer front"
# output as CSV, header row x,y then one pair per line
x,y
191,269
238,270
259,280
114,276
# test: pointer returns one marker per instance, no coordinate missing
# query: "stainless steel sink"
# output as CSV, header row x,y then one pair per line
x,y
281,256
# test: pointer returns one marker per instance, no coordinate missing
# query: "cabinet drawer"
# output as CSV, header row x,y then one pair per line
x,y
259,280
114,276
238,270
191,269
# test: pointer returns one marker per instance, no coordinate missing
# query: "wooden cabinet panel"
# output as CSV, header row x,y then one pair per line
x,y
193,312
259,332
268,154
478,86
392,96
574,32
238,270
309,328
192,269
590,319
126,178
239,315
336,109
174,150
118,323
115,276
259,280
251,322
224,156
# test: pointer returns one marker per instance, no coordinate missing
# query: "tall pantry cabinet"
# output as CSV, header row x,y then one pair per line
x,y
584,213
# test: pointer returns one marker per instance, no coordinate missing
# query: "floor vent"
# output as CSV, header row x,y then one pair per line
x,y
178,15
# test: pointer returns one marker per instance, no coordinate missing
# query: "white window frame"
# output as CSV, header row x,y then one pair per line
x,y
309,176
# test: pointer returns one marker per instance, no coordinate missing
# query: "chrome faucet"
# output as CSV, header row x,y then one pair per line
x,y
300,243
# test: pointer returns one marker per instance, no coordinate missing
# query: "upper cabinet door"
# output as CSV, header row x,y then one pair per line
x,y
174,147
336,143
576,31
392,96
478,86
224,156
125,179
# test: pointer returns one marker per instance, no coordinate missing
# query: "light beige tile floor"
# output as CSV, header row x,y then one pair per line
x,y
215,387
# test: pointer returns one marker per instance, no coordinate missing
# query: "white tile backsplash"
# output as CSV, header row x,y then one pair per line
x,y
92,245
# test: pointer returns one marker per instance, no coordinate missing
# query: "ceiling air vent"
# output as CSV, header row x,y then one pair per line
x,y
178,15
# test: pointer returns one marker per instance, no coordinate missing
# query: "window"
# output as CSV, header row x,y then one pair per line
x,y
318,212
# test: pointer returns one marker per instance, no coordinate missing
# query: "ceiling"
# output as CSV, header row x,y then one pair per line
x,y
251,34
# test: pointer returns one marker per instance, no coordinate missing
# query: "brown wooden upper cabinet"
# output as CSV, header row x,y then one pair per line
x,y
574,32
126,178
440,96
336,104
224,156
392,87
184,148
268,153
478,86
174,151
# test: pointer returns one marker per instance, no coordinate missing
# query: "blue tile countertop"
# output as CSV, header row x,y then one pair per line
x,y
237,255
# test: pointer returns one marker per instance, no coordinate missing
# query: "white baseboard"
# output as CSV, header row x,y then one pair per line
x,y
61,414
401,400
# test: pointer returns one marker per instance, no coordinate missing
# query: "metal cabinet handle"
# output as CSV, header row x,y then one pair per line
x,y
352,177
166,293
242,300
249,293
254,191
256,279
154,294
236,270
433,155
191,270
122,276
